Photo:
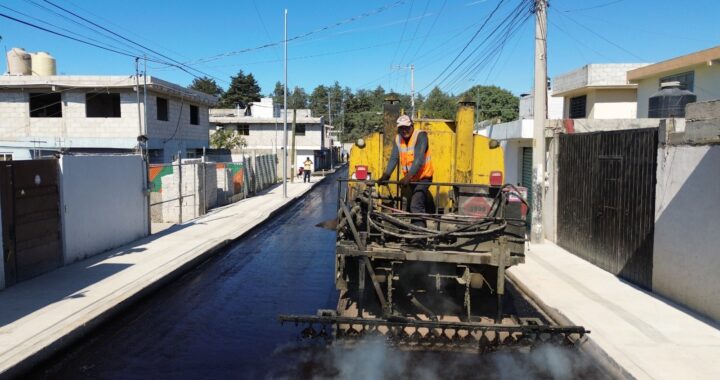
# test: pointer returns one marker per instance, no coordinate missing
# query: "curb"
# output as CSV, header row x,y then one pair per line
x,y
45,353
599,356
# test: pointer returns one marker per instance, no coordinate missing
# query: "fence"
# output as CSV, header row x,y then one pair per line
x,y
186,190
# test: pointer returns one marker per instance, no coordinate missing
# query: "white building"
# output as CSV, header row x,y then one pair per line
x,y
598,91
516,136
44,114
261,124
698,72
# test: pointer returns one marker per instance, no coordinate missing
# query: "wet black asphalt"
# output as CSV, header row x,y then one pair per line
x,y
219,320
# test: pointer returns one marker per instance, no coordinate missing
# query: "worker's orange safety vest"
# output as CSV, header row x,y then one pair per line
x,y
407,156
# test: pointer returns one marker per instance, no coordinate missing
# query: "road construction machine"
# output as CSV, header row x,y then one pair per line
x,y
441,284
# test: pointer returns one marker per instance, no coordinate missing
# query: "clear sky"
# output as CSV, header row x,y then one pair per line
x,y
361,53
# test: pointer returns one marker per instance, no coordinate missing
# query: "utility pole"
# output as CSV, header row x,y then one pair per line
x,y
537,234
322,129
293,155
137,91
412,86
285,136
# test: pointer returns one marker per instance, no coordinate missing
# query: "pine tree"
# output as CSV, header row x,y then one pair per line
x,y
206,85
278,94
298,99
243,90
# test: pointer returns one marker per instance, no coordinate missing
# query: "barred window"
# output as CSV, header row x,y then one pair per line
x,y
578,107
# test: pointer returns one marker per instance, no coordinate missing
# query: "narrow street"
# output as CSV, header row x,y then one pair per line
x,y
219,320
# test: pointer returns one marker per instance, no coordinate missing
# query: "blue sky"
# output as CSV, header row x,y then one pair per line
x,y
361,53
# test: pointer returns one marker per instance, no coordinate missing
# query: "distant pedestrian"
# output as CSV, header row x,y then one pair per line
x,y
307,169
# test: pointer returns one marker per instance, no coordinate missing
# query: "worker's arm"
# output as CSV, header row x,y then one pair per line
x,y
421,146
394,158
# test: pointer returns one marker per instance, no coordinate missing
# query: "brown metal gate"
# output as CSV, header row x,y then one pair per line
x,y
606,200
30,218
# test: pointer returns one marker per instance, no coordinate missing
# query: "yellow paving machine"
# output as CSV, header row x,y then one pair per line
x,y
441,285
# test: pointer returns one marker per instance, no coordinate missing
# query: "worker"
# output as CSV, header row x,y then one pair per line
x,y
412,152
307,169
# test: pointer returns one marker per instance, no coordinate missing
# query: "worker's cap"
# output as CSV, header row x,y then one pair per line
x,y
404,121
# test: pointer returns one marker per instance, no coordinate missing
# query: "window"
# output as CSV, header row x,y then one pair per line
x,y
194,115
5,156
300,130
100,104
46,105
162,108
687,80
578,107
243,130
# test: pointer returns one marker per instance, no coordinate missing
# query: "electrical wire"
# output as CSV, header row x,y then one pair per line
x,y
482,26
56,26
185,66
565,15
304,35
593,7
512,22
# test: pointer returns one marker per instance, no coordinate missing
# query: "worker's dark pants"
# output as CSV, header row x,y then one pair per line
x,y
420,201
306,176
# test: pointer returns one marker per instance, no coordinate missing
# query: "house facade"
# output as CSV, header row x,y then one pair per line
x,y
698,72
516,137
262,123
40,115
598,91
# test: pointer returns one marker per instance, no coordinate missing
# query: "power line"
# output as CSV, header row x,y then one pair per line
x,y
432,26
66,18
66,36
593,7
482,26
116,51
508,23
124,28
129,40
304,35
55,26
598,35
402,35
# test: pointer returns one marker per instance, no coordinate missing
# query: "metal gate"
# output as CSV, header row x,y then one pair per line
x,y
606,200
30,218
526,178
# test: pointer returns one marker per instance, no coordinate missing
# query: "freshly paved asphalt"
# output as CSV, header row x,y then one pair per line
x,y
219,320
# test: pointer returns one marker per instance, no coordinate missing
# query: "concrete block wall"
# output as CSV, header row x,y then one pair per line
x,y
571,80
610,74
197,183
170,129
225,187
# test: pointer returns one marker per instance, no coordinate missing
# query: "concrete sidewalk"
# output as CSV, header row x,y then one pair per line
x,y
44,314
649,337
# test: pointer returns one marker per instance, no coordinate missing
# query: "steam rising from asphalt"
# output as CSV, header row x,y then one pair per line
x,y
374,359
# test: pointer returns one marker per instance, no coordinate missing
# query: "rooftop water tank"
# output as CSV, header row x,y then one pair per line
x,y
18,62
670,101
43,64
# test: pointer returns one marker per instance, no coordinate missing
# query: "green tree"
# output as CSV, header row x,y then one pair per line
x,y
243,90
278,94
298,99
227,138
495,103
378,96
318,101
206,85
439,105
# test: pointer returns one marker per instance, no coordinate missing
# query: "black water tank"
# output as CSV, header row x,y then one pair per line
x,y
670,101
